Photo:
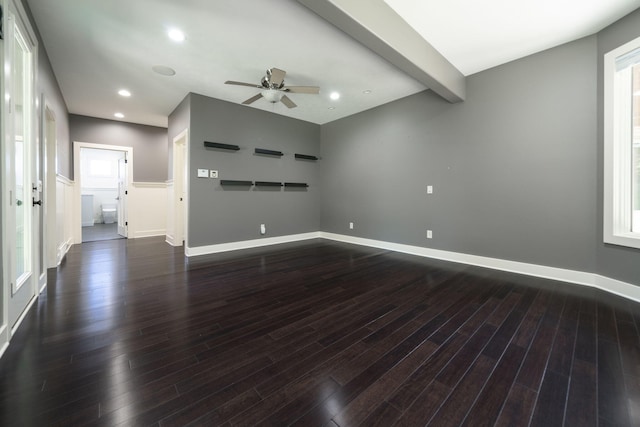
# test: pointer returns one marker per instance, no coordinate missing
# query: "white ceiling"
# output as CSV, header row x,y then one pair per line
x,y
476,35
97,47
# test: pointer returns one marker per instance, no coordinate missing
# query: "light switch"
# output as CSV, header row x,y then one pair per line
x,y
429,189
203,173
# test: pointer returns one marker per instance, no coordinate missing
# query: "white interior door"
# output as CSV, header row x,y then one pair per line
x,y
122,197
179,182
23,190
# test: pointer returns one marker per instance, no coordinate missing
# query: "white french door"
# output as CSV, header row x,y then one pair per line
x,y
22,189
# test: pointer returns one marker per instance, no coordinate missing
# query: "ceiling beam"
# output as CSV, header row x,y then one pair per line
x,y
377,26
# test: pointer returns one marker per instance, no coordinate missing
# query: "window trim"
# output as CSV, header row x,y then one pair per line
x,y
618,215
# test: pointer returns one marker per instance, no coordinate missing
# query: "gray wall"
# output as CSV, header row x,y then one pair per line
x,y
49,89
513,167
613,261
178,121
220,215
149,143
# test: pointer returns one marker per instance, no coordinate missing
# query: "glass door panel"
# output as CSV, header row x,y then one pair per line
x,y
22,158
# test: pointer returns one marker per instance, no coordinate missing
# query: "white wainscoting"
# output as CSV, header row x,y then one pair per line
x,y
147,209
64,216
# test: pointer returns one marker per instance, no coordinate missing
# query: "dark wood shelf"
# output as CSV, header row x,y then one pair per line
x,y
296,184
269,152
305,157
221,146
235,182
268,184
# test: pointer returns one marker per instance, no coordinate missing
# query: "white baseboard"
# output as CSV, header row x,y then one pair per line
x,y
607,284
24,314
4,339
248,244
170,239
148,233
623,289
63,249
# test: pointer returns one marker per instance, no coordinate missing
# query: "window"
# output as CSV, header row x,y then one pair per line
x,y
103,168
622,145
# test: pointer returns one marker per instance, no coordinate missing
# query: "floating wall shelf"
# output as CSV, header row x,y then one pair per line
x,y
296,184
305,157
234,182
268,184
221,146
268,152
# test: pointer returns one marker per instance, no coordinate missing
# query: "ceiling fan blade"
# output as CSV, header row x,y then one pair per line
x,y
288,102
230,82
252,99
314,90
277,77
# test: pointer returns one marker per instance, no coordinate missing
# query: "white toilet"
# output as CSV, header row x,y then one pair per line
x,y
109,214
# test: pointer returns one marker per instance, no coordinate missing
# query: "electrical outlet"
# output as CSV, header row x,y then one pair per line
x,y
350,226
429,234
429,189
263,229
213,174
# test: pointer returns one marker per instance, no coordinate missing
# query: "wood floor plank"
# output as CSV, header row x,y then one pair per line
x,y
454,410
582,400
550,407
376,395
487,407
612,407
314,333
518,407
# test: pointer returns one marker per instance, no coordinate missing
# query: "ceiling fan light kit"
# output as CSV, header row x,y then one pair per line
x,y
272,95
274,89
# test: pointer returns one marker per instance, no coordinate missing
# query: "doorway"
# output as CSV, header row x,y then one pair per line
x,y
102,184
49,143
178,202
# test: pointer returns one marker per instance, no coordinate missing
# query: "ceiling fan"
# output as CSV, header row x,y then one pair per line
x,y
274,90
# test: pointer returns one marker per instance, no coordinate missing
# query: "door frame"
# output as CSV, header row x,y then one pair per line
x,y
77,203
49,136
122,205
180,188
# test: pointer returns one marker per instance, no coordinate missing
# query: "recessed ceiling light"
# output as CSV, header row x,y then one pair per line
x,y
332,108
124,92
334,96
176,35
119,115
163,70
366,92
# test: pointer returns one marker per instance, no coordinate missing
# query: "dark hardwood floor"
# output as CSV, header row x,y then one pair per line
x,y
317,333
